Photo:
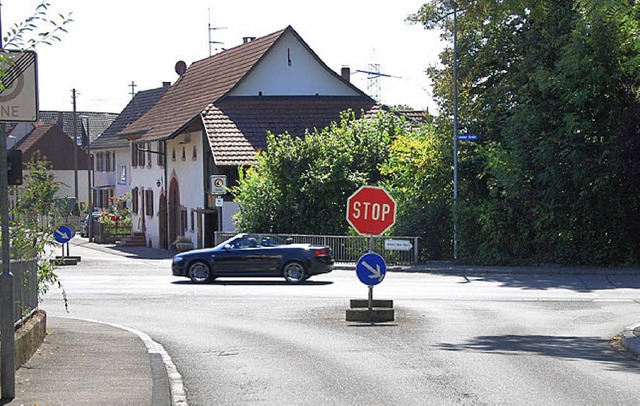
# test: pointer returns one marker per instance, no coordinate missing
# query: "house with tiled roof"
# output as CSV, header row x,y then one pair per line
x,y
214,119
49,142
78,125
112,154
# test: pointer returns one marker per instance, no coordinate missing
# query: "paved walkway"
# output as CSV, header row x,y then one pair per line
x,y
89,363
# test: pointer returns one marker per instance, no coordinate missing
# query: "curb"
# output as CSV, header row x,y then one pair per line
x,y
164,373
29,337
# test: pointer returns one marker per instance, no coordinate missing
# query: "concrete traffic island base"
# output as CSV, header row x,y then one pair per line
x,y
68,260
381,311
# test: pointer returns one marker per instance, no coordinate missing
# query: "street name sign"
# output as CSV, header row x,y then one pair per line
x,y
397,245
371,269
371,210
468,137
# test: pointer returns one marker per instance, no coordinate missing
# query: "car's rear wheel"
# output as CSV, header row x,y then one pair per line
x,y
294,272
199,272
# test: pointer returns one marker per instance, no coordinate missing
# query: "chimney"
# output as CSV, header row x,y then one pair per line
x,y
346,73
166,84
247,39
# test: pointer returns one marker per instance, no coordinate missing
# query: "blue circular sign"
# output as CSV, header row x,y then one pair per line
x,y
371,269
63,234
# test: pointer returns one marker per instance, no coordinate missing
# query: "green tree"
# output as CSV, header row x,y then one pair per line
x,y
301,185
552,87
418,175
34,219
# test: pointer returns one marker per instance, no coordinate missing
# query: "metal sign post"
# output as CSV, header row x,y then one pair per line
x,y
18,102
6,280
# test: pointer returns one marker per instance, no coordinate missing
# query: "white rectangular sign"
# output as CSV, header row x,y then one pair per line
x,y
19,91
397,245
218,184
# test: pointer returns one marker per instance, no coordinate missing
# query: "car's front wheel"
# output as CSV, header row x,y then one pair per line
x,y
199,272
294,272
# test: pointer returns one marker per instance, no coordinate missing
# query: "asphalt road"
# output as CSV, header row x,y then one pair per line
x,y
494,340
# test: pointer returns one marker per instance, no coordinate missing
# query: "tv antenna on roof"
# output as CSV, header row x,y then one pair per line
x,y
211,42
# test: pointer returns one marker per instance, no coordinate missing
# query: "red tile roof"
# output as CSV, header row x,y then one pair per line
x,y
53,144
237,126
204,82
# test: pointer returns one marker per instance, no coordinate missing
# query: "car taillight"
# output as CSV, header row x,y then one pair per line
x,y
321,253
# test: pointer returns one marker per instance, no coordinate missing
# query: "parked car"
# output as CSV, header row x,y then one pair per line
x,y
247,255
84,224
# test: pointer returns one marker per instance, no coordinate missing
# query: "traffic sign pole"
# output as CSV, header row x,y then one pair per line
x,y
371,211
370,303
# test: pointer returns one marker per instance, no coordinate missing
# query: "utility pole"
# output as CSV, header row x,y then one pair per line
x,y
133,89
75,146
89,182
454,5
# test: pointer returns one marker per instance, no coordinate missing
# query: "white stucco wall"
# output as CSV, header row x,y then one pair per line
x,y
67,184
146,178
290,70
189,175
228,210
122,186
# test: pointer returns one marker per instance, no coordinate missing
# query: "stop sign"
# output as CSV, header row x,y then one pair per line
x,y
371,210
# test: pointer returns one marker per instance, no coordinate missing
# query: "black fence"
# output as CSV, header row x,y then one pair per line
x,y
25,288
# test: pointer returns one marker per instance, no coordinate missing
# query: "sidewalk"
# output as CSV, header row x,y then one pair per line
x,y
90,363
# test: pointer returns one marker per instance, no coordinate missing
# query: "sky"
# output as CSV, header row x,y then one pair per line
x,y
111,44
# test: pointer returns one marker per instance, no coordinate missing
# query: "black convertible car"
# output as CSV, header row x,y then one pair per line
x,y
254,255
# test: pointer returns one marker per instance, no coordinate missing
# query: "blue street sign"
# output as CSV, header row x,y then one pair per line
x,y
468,137
371,269
63,234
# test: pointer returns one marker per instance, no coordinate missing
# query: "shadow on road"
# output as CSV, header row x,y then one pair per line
x,y
567,347
578,283
253,282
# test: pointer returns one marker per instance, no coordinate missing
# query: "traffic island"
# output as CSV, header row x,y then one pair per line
x,y
381,311
67,260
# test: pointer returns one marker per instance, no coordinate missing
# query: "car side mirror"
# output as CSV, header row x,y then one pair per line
x,y
227,247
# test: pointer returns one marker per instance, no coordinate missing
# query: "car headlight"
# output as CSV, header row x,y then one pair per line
x,y
178,259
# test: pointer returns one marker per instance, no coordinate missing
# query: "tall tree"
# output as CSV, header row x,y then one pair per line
x,y
552,87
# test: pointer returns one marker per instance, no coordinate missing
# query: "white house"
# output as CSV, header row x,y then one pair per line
x,y
112,155
214,119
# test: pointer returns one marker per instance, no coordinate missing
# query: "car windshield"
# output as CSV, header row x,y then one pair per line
x,y
254,241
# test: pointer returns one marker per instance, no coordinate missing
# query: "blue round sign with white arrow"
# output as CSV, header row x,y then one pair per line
x,y
371,269
63,234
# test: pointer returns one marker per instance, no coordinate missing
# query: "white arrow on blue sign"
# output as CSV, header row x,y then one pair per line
x,y
371,269
63,234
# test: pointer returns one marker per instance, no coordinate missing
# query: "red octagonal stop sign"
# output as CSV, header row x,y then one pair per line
x,y
371,210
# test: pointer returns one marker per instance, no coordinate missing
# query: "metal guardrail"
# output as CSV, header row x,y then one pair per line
x,y
25,289
350,248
